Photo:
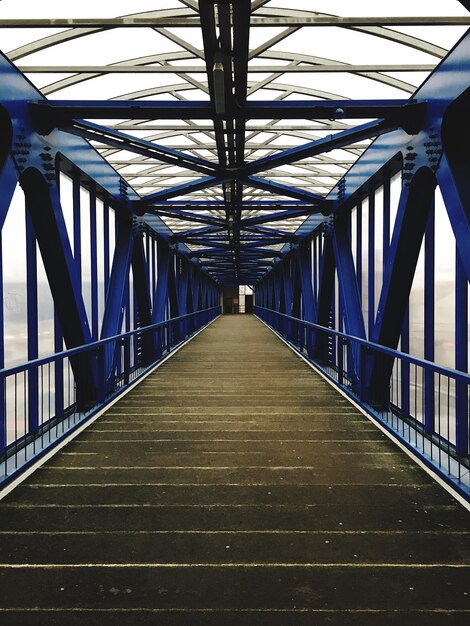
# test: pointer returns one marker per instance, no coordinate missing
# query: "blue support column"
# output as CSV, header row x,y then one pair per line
x,y
142,298
116,298
192,296
359,249
277,295
160,300
8,183
183,295
386,221
295,336
49,225
455,187
325,298
59,398
3,417
405,366
32,325
429,304
461,359
371,265
309,308
141,282
173,304
105,250
94,265
349,290
77,225
127,326
287,297
410,224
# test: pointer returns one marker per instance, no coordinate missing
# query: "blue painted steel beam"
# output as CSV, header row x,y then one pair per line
x,y
3,425
270,232
371,263
241,36
192,205
8,183
254,253
198,232
213,241
325,298
281,215
351,299
187,216
51,112
49,226
123,141
429,319
32,324
115,298
143,312
212,43
278,188
93,262
455,188
320,146
141,281
308,303
462,442
160,300
410,223
179,190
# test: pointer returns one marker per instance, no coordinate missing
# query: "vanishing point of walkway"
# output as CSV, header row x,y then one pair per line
x,y
234,486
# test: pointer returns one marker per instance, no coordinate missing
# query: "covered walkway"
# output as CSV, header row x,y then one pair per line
x,y
232,486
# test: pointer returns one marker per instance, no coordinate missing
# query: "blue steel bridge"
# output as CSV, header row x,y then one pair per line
x,y
161,460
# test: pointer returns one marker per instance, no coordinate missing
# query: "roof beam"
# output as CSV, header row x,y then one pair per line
x,y
59,112
210,41
186,216
267,21
149,149
199,69
274,217
184,130
180,190
241,37
283,190
331,142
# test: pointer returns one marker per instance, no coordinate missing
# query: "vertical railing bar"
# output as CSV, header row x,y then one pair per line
x,y
416,401
16,420
448,425
25,413
439,416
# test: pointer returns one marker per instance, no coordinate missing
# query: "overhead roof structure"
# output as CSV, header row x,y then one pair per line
x,y
231,122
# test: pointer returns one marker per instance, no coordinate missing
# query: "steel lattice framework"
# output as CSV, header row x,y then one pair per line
x,y
233,178
163,155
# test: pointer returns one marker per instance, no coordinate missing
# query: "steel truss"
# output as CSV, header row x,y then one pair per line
x,y
279,193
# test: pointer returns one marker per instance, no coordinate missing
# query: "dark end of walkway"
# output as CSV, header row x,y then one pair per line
x,y
233,486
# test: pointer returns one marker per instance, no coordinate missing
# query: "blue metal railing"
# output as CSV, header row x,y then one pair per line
x,y
44,400
423,405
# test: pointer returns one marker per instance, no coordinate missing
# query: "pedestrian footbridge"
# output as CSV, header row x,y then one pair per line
x,y
233,485
234,313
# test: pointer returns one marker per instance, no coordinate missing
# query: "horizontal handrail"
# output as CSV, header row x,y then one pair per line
x,y
422,404
439,369
93,345
45,400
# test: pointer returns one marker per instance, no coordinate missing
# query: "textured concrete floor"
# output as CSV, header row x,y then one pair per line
x,y
233,487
